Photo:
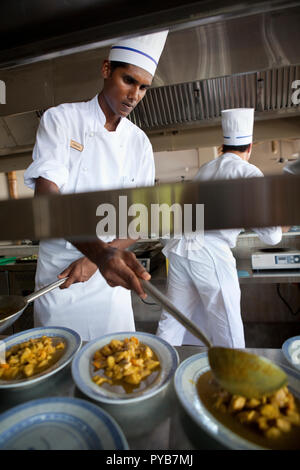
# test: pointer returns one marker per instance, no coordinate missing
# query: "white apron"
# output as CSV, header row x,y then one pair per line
x,y
207,292
92,308
203,283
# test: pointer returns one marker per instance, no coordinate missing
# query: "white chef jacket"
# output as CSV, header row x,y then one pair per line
x,y
203,282
103,160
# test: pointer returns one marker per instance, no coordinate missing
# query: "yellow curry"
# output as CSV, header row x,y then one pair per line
x,y
126,363
31,357
273,421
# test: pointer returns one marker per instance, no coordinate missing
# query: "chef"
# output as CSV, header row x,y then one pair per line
x,y
91,146
203,281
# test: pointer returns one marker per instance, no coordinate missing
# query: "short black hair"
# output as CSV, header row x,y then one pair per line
x,y
114,64
236,148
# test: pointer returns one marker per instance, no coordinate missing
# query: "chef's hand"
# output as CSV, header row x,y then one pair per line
x,y
79,271
121,268
118,266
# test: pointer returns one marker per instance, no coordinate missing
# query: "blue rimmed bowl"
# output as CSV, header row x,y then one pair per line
x,y
59,424
139,411
207,429
291,351
72,342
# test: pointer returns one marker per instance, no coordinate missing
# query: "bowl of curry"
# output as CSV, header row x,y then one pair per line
x,y
124,367
236,422
33,355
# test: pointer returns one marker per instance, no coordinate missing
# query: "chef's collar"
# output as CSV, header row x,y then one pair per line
x,y
232,155
101,118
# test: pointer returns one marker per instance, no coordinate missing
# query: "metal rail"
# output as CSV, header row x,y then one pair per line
x,y
239,203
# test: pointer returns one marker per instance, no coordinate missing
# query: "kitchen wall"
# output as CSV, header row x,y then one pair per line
x,y
178,165
269,157
23,191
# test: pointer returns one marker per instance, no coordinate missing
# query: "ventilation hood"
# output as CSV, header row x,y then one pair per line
x,y
269,92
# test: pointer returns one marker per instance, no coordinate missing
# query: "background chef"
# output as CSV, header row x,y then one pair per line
x,y
202,277
90,146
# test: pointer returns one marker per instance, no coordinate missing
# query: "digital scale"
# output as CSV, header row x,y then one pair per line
x,y
280,258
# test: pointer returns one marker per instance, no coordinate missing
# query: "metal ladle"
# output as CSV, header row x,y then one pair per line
x,y
239,372
12,306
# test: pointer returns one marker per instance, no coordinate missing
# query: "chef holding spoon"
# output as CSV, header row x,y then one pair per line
x,y
91,146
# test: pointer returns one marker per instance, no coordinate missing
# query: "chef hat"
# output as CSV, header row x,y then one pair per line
x,y
143,51
237,126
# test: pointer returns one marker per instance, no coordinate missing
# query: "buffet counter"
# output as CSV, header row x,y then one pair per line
x,y
168,427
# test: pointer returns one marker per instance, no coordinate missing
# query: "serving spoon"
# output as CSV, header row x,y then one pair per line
x,y
238,372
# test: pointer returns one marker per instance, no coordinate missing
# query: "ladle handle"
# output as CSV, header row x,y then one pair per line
x,y
44,290
165,302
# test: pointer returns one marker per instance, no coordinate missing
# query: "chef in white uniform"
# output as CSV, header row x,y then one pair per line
x,y
203,281
91,146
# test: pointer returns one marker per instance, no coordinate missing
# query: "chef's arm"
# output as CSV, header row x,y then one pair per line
x,y
44,187
118,267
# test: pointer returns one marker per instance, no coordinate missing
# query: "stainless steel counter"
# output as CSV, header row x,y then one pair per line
x,y
18,250
172,429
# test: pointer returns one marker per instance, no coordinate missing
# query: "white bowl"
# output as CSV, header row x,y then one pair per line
x,y
185,380
291,351
71,339
59,423
82,369
139,411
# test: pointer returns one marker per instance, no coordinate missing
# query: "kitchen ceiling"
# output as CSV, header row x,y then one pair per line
x,y
34,30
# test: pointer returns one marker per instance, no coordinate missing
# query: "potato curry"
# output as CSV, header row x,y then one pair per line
x,y
273,421
124,363
31,357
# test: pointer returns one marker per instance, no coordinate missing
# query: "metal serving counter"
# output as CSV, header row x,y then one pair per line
x,y
170,429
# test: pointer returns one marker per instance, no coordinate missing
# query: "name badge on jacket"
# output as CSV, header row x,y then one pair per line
x,y
76,145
